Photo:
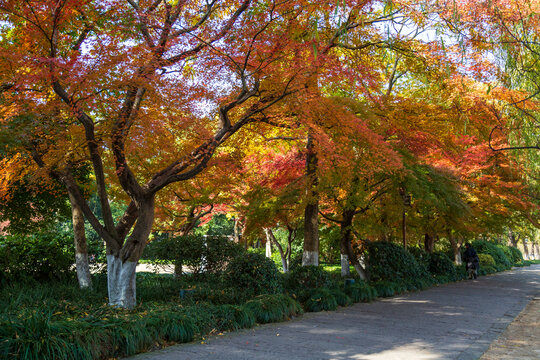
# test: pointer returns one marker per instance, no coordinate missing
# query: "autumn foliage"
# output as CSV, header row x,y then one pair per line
x,y
182,108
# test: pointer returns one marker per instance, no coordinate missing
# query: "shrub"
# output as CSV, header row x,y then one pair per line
x,y
232,317
273,308
361,292
501,261
209,253
319,300
296,261
422,257
484,270
461,272
418,283
441,265
516,255
507,252
385,288
342,299
486,260
253,273
307,277
41,337
388,261
40,256
230,295
437,263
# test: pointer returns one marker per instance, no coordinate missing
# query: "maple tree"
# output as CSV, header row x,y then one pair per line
x,y
499,42
111,70
287,107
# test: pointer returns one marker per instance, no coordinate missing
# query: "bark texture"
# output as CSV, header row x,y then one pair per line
x,y
429,242
81,250
310,255
455,250
121,282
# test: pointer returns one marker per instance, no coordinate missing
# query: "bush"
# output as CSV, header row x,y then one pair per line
x,y
507,252
422,257
461,272
230,295
418,283
441,265
273,308
516,255
232,317
319,300
501,260
385,288
361,292
388,261
342,298
42,256
40,336
437,263
486,260
307,277
485,270
209,254
254,274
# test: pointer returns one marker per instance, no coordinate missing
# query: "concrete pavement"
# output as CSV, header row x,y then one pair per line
x,y
453,321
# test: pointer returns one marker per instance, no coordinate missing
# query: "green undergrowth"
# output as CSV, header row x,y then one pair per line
x,y
57,320
273,308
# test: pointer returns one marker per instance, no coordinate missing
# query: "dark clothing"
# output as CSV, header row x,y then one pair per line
x,y
471,257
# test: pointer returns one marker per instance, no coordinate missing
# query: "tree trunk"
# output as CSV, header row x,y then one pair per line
x,y
512,238
526,255
81,250
177,269
236,230
310,255
455,249
268,247
355,263
290,238
121,282
121,267
347,252
429,242
270,238
345,238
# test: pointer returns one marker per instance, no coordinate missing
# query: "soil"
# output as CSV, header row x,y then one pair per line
x,y
521,339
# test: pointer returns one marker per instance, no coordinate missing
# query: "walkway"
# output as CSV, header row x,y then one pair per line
x,y
454,321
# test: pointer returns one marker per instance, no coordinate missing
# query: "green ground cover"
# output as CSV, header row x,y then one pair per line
x,y
56,320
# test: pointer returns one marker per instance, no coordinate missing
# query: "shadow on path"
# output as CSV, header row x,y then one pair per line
x,y
453,321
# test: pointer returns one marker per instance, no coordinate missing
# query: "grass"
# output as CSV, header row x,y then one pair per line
x,y
57,320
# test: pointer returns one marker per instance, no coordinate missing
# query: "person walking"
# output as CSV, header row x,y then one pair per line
x,y
472,261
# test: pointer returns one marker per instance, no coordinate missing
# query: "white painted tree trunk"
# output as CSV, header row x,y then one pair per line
x,y
360,271
83,270
525,251
345,269
121,282
310,258
81,250
268,248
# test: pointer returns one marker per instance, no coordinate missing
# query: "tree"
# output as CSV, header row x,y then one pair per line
x,y
111,71
29,204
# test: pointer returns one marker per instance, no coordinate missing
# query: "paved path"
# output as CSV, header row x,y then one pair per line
x,y
521,339
454,321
